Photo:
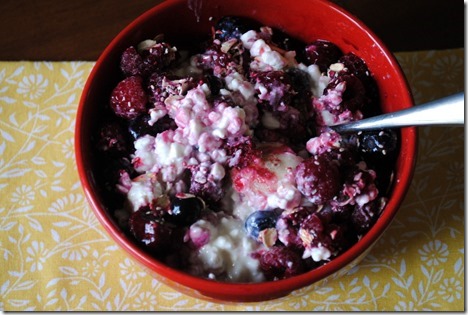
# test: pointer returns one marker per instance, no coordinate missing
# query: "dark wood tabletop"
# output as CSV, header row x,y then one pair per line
x,y
81,29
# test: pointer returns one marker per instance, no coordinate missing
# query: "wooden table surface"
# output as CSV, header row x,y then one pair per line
x,y
79,30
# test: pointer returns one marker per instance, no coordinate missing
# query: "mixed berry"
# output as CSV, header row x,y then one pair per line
x,y
219,159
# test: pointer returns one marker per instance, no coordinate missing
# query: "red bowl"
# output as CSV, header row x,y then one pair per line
x,y
182,20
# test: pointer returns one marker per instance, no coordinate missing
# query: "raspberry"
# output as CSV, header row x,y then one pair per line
x,y
318,179
131,62
279,262
150,230
322,53
128,99
359,188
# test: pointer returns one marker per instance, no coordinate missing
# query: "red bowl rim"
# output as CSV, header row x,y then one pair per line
x,y
244,291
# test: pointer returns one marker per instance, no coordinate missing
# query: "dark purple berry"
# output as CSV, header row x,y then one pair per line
x,y
139,126
274,90
288,43
364,217
299,80
150,230
318,179
128,99
354,65
355,95
108,175
157,57
185,209
317,231
111,139
214,83
288,225
218,62
261,220
204,185
322,53
131,62
212,192
279,262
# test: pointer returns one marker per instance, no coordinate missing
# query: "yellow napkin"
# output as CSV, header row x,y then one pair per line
x,y
54,255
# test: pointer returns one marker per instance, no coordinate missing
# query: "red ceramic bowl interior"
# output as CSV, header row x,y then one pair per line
x,y
183,21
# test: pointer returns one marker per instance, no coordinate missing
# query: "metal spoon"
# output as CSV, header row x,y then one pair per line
x,y
449,110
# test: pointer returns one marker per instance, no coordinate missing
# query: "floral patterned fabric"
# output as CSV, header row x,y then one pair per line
x,y
54,255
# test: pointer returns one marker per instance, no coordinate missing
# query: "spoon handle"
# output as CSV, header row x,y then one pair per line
x,y
449,110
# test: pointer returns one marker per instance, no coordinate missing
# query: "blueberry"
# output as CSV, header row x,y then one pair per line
x,y
185,209
379,149
261,220
378,143
229,27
